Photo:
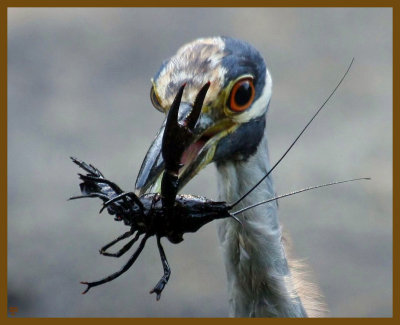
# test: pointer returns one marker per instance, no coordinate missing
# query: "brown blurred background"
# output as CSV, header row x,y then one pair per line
x,y
78,84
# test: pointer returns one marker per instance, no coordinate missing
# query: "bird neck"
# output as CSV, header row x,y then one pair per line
x,y
259,279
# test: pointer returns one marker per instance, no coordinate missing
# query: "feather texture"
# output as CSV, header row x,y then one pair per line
x,y
261,281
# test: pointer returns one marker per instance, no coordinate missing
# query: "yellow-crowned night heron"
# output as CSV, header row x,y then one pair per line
x,y
231,132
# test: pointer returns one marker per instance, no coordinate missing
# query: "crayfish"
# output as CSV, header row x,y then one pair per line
x,y
162,215
166,214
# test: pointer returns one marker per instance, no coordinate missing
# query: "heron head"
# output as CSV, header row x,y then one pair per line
x,y
232,120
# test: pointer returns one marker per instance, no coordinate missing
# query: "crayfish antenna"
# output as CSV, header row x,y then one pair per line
x,y
237,219
80,197
99,195
297,192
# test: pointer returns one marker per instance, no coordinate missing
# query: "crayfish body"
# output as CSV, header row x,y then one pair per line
x,y
146,213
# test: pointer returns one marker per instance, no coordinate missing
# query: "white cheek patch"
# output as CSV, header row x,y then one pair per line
x,y
259,107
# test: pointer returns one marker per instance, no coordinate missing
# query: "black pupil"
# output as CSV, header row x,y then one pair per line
x,y
243,94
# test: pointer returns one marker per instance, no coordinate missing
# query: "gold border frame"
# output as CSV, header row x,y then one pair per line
x,y
4,5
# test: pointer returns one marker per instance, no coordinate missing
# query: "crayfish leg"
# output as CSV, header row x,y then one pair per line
x,y
125,268
167,271
123,250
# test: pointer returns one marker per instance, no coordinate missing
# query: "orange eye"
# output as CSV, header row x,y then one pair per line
x,y
155,101
242,95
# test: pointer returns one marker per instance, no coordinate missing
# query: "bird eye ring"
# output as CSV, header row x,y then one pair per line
x,y
242,95
155,101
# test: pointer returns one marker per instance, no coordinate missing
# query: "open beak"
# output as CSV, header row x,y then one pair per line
x,y
208,131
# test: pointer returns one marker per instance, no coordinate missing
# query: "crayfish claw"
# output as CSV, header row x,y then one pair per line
x,y
193,116
176,139
175,134
179,136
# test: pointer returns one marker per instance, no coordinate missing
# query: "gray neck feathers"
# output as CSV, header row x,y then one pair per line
x,y
259,280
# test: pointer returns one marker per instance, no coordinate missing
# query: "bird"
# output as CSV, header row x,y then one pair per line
x,y
231,132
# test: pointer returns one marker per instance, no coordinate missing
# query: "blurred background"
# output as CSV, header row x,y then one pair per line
x,y
79,83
